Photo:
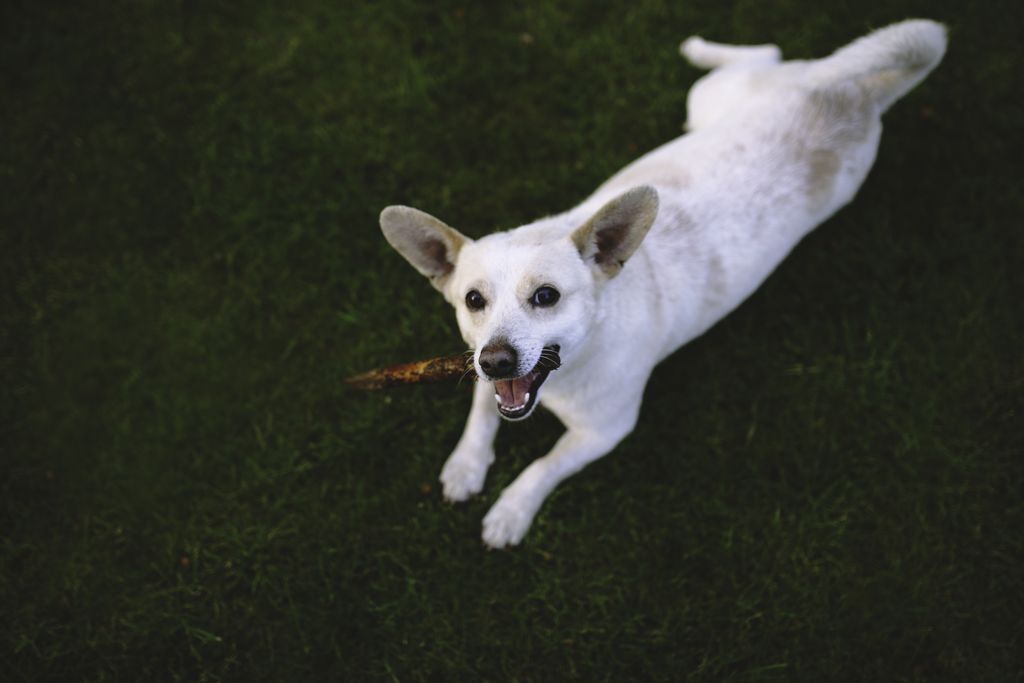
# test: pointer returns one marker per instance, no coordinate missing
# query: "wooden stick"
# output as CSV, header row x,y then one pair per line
x,y
420,372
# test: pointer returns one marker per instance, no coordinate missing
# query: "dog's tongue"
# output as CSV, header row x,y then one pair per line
x,y
512,392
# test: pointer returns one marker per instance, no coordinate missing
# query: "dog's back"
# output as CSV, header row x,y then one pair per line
x,y
775,148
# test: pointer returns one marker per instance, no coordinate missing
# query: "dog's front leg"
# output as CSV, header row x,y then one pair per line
x,y
508,520
464,472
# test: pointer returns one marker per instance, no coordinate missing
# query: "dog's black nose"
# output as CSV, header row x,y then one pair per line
x,y
499,360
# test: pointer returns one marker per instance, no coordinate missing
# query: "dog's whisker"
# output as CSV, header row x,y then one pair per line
x,y
469,372
549,359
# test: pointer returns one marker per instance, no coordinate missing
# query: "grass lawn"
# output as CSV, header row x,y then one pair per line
x,y
829,485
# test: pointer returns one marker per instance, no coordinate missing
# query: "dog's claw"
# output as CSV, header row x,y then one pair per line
x,y
506,524
462,479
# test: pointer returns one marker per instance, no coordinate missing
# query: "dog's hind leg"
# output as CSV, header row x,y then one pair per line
x,y
707,55
727,86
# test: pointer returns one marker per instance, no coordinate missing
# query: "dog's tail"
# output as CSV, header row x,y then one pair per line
x,y
888,62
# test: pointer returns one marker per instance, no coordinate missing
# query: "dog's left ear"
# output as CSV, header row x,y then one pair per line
x,y
611,236
428,244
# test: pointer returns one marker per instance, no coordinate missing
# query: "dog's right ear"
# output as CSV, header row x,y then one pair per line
x,y
428,244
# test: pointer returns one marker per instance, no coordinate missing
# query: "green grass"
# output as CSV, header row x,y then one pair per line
x,y
827,486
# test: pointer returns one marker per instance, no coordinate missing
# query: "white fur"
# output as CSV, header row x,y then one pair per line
x,y
774,149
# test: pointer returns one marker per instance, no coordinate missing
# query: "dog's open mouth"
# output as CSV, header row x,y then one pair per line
x,y
517,397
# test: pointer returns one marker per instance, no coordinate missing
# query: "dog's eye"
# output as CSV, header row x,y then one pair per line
x,y
545,296
475,300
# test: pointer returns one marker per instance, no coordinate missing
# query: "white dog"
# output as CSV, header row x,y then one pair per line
x,y
574,311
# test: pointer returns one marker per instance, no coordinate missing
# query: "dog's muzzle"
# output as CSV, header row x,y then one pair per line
x,y
517,396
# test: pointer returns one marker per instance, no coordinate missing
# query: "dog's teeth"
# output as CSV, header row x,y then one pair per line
x,y
510,408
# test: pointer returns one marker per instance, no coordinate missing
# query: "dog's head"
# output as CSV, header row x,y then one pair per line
x,y
524,299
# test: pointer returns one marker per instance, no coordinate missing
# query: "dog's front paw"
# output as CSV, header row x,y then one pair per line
x,y
508,521
463,477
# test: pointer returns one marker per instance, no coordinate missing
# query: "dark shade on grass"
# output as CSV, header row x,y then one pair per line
x,y
826,486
